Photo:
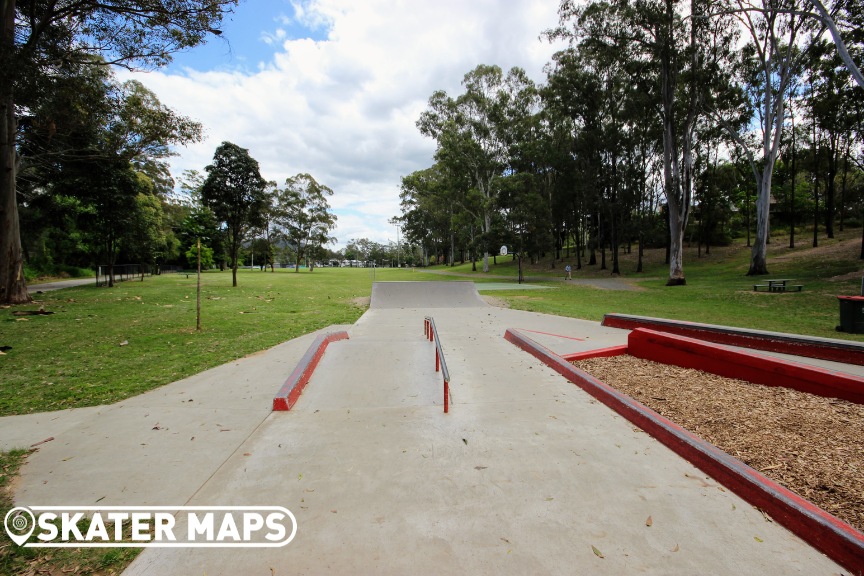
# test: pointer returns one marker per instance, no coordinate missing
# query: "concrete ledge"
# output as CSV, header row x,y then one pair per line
x,y
731,363
834,538
293,387
809,346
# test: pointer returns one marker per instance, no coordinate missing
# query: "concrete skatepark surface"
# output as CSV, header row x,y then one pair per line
x,y
524,476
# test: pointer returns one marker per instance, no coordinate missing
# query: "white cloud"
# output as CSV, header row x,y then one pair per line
x,y
343,109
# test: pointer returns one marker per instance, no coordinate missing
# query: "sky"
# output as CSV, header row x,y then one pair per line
x,y
333,88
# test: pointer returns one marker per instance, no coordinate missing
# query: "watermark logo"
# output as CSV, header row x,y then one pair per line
x,y
151,526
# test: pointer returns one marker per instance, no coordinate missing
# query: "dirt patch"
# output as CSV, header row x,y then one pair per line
x,y
493,301
856,275
361,301
828,249
809,444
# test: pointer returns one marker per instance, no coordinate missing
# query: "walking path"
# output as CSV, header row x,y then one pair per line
x,y
526,474
611,283
59,284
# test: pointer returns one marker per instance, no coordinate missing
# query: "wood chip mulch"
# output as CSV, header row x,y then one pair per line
x,y
812,445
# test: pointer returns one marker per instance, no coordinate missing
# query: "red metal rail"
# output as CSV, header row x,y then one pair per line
x,y
431,332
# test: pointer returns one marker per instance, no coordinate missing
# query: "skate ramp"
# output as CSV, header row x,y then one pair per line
x,y
425,295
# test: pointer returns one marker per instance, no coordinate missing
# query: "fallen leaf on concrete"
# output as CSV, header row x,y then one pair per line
x,y
676,548
247,454
597,552
649,522
49,439
757,539
156,427
333,511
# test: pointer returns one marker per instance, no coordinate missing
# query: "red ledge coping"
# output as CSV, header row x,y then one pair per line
x,y
834,538
598,353
749,366
296,382
848,352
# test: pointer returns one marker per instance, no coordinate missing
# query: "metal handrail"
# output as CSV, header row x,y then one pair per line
x,y
430,331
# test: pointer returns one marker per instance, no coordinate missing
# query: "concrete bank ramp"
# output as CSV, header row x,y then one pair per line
x,y
425,295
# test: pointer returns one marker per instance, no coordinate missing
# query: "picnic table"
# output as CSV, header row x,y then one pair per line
x,y
779,285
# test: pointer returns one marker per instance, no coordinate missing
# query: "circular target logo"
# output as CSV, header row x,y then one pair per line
x,y
19,523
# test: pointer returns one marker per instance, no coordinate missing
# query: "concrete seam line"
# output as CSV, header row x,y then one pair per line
x,y
293,387
822,348
827,534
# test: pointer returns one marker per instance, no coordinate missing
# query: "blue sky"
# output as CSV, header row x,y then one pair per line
x,y
253,34
333,88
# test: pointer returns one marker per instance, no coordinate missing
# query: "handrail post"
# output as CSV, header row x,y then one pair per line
x,y
429,331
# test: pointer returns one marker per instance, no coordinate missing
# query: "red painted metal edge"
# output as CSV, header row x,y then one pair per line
x,y
824,349
834,538
749,366
599,353
293,387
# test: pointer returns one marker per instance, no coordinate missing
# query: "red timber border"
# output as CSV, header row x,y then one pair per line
x,y
834,538
749,366
845,351
597,353
288,394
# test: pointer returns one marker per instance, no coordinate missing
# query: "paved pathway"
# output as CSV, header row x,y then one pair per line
x,y
524,476
610,283
59,284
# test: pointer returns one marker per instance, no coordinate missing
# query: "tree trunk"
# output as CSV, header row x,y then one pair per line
x,y
843,184
759,251
13,287
830,191
792,191
487,227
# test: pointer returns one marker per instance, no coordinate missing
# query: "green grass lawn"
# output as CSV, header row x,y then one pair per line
x,y
102,345
77,356
717,291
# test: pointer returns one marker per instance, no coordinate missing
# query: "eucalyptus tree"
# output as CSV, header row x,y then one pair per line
x,y
92,145
573,96
671,49
37,38
303,213
832,94
471,130
236,193
435,203
767,64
